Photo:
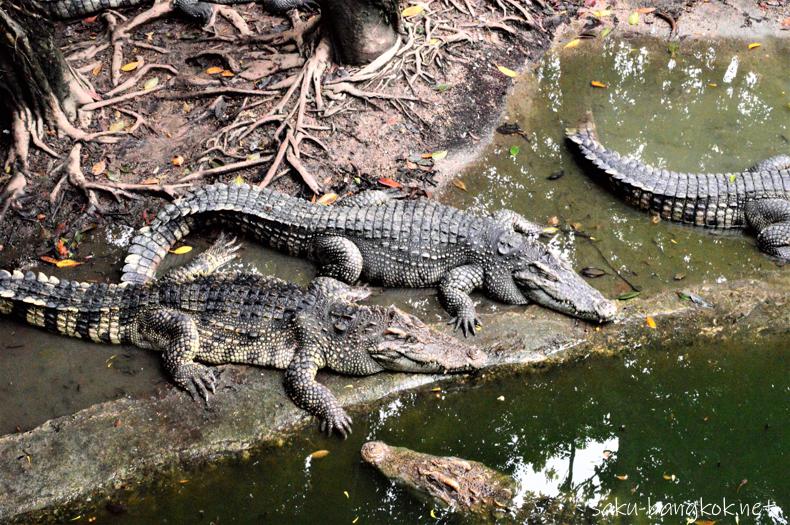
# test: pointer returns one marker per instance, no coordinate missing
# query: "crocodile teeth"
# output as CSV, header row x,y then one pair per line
x,y
18,275
6,293
5,274
54,280
42,278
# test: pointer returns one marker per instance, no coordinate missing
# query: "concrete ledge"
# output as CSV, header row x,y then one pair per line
x,y
58,465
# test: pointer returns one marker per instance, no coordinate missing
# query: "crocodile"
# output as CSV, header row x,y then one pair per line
x,y
379,237
197,10
757,198
470,488
196,315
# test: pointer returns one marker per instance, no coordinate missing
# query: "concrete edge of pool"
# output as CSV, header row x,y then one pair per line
x,y
75,461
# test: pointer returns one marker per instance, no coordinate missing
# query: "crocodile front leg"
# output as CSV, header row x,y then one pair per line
x,y
216,256
301,386
454,293
777,162
175,334
338,258
518,222
770,218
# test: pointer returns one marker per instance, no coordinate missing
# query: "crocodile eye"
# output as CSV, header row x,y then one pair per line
x,y
341,326
543,271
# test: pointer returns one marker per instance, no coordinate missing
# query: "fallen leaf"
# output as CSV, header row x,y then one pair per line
x,y
679,276
602,13
96,69
786,22
655,219
318,454
628,295
327,199
549,231
130,66
592,272
239,180
60,248
573,43
556,175
412,10
149,181
151,83
458,183
436,389
67,263
434,42
345,493
506,71
355,520
385,181
214,70
500,398
178,160
712,84
645,10
605,32
183,481
439,155
186,107
754,45
621,477
633,18
669,477
89,20
118,125
597,84
554,221
181,250
433,514
650,322
441,88
227,73
732,177
98,168
48,259
514,150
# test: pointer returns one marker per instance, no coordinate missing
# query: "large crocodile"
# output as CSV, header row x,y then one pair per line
x,y
383,239
758,198
196,315
469,487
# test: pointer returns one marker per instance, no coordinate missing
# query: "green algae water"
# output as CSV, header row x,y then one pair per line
x,y
648,436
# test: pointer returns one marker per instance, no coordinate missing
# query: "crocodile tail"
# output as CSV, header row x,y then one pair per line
x,y
174,222
585,132
92,311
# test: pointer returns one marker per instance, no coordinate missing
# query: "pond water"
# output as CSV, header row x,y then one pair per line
x,y
693,422
713,417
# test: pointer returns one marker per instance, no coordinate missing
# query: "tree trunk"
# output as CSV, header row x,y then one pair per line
x,y
38,86
360,30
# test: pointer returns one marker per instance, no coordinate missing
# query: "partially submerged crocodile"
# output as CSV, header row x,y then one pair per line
x,y
758,198
195,315
378,237
195,9
469,487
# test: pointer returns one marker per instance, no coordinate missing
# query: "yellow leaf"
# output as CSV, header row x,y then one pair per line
x,y
178,160
67,263
183,481
439,155
355,520
434,42
669,477
458,183
507,72
573,43
239,180
327,199
754,45
650,322
633,18
226,73
433,514
318,454
597,84
98,168
601,13
131,66
96,70
214,70
412,10
621,477
181,250
345,493
151,83
118,125
186,107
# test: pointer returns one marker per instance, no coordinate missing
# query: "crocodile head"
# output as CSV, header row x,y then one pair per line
x,y
545,278
400,342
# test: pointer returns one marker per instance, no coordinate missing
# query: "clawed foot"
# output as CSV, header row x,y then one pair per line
x,y
467,323
223,250
196,379
337,420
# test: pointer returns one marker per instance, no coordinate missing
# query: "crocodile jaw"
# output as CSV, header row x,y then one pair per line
x,y
409,345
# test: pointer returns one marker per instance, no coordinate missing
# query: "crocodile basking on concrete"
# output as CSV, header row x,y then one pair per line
x,y
469,487
758,198
195,316
383,239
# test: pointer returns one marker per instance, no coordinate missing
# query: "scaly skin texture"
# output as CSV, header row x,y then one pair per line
x,y
379,238
468,487
194,9
758,198
193,316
